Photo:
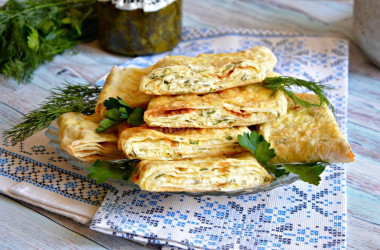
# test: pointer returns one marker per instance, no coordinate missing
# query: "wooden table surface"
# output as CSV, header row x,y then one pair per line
x,y
23,225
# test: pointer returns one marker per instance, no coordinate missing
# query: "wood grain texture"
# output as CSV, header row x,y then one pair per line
x,y
104,240
326,18
37,231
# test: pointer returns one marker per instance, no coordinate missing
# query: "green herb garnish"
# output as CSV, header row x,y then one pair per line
x,y
309,172
101,171
69,98
260,148
282,82
118,111
33,32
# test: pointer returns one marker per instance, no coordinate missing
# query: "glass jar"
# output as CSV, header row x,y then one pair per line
x,y
138,32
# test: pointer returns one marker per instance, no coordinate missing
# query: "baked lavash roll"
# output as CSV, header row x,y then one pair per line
x,y
206,73
123,83
307,134
241,106
221,173
154,143
78,136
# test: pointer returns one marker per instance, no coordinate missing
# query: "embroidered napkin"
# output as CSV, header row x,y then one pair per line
x,y
286,217
33,172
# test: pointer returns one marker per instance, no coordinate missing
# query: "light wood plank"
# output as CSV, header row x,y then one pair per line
x,y
105,240
362,234
22,228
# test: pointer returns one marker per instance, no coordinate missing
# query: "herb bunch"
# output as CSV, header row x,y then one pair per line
x,y
69,98
284,82
33,32
260,148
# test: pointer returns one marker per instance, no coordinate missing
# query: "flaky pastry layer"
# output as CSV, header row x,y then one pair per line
x,y
241,106
207,73
155,143
123,83
79,138
222,173
307,135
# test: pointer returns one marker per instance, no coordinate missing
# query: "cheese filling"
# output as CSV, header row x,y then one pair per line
x,y
207,118
164,149
181,79
201,174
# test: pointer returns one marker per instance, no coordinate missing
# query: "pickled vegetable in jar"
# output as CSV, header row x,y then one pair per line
x,y
139,27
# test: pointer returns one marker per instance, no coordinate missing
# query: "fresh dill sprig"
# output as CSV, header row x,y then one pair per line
x,y
283,82
33,32
69,98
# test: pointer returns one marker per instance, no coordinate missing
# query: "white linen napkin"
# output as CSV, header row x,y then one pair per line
x,y
33,172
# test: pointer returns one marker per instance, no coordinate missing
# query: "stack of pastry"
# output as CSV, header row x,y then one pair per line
x,y
196,107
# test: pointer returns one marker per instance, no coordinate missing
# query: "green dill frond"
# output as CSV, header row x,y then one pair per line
x,y
284,82
69,98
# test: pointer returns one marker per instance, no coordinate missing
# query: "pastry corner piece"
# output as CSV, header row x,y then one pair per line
x,y
79,138
222,173
154,143
206,73
123,83
307,134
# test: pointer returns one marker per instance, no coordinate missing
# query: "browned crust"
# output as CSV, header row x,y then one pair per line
x,y
125,84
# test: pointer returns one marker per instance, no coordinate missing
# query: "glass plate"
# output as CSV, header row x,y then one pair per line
x,y
52,134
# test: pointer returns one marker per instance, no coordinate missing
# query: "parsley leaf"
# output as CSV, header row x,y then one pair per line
x,y
309,172
260,148
101,171
136,118
123,103
106,124
111,103
282,82
118,111
276,170
263,150
114,114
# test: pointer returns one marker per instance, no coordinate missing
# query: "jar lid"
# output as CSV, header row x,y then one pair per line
x,y
146,5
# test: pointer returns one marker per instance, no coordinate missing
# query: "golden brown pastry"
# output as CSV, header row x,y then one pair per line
x,y
307,135
221,173
241,106
125,84
167,144
79,138
208,73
